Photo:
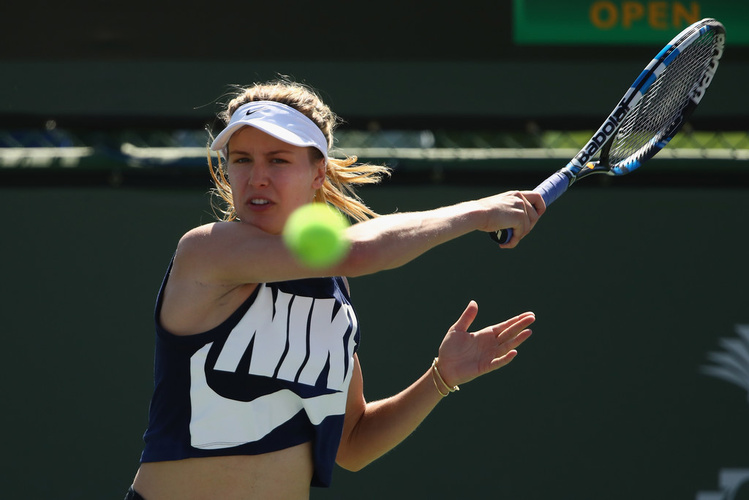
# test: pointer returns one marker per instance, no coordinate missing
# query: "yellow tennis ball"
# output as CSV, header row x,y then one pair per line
x,y
315,235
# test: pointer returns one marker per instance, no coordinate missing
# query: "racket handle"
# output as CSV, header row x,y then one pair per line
x,y
550,189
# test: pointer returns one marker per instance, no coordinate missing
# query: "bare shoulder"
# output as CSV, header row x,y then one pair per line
x,y
197,297
200,251
208,238
223,252
237,253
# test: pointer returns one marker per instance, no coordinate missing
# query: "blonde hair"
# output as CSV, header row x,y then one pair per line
x,y
342,175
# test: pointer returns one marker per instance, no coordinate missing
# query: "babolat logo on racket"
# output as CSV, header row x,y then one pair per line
x,y
712,67
604,133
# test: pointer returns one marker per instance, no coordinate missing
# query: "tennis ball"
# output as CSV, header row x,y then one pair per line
x,y
314,234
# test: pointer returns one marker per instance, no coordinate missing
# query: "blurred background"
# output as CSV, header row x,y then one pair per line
x,y
636,382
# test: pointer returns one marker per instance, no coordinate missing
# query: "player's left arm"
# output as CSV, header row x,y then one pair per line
x,y
372,429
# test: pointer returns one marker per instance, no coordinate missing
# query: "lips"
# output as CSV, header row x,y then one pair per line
x,y
259,204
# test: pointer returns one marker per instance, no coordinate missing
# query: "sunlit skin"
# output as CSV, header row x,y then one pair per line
x,y
270,178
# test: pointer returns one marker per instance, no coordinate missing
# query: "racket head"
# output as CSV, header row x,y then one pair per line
x,y
652,111
663,97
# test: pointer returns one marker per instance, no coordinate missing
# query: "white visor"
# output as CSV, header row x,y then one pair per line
x,y
276,119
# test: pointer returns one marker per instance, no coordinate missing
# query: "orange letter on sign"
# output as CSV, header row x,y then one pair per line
x,y
657,17
681,17
631,11
603,15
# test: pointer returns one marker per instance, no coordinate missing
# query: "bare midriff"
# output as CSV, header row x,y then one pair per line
x,y
283,474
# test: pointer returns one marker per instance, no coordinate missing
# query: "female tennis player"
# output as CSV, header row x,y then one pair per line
x,y
258,386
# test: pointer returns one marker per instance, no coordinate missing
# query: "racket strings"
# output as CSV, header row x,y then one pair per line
x,y
659,111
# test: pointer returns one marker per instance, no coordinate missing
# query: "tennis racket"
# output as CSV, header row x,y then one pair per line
x,y
649,115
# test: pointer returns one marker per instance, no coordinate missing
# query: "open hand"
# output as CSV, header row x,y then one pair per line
x,y
465,355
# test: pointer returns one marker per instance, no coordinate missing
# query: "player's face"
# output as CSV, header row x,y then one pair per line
x,y
270,178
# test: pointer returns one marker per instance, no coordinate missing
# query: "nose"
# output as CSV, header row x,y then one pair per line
x,y
259,175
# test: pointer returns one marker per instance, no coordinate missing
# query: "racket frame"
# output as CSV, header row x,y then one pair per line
x,y
584,163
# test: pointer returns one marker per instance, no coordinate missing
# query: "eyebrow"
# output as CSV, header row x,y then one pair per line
x,y
275,151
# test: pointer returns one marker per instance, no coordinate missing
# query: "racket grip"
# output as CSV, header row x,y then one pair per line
x,y
550,189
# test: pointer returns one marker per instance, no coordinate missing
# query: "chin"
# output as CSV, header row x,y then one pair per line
x,y
264,225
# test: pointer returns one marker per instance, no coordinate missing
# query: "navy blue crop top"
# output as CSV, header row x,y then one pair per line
x,y
275,374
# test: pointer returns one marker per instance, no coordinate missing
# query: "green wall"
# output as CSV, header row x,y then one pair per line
x,y
430,62
606,400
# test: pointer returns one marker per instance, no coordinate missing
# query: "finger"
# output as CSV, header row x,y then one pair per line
x,y
512,346
535,204
533,207
512,243
501,361
519,231
512,343
517,323
537,201
465,320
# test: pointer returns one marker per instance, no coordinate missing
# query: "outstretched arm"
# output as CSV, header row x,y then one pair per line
x,y
372,429
250,255
390,241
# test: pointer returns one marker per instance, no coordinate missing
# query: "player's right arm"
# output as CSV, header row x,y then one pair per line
x,y
235,253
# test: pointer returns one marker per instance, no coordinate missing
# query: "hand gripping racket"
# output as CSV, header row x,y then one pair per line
x,y
649,115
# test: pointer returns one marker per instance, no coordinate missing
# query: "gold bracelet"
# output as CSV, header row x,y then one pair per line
x,y
436,370
438,387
